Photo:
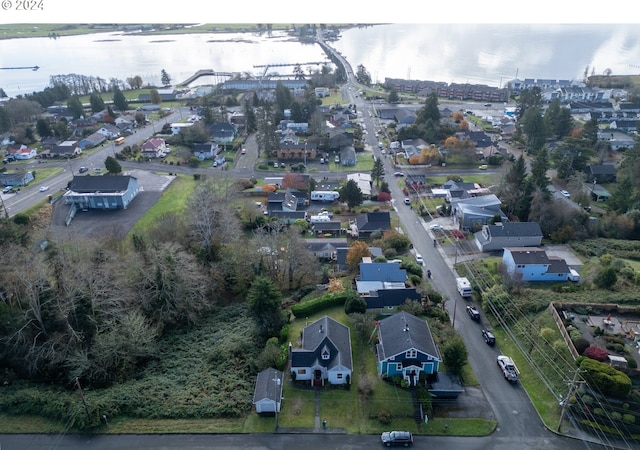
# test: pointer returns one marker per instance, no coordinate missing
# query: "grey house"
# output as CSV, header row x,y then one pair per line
x,y
601,173
472,213
510,234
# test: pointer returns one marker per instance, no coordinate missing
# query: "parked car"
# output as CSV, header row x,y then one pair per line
x,y
508,368
83,169
336,159
419,259
275,164
407,201
398,174
566,194
436,227
488,337
483,167
397,438
7,190
244,151
473,312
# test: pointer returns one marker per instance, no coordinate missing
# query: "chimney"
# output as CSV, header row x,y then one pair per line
x,y
320,328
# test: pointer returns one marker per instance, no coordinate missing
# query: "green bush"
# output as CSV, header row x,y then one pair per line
x,y
605,378
328,300
628,418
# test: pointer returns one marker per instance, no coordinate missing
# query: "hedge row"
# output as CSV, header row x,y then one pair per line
x,y
328,300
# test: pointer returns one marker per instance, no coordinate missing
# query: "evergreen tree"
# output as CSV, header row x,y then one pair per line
x,y
351,194
112,165
75,107
97,103
43,128
119,100
393,96
265,305
165,78
377,173
250,117
529,98
539,169
533,127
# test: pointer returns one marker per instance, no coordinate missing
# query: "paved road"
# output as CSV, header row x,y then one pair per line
x,y
323,441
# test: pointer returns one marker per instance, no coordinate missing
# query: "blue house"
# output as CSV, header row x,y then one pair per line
x,y
16,178
533,264
405,347
101,192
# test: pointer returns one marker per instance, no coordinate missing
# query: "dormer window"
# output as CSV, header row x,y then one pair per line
x,y
412,353
325,354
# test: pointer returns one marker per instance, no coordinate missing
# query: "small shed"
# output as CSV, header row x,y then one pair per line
x,y
267,395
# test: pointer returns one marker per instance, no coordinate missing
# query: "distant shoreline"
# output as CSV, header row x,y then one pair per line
x,y
25,31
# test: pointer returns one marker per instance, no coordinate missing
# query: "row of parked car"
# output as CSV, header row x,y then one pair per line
x,y
505,363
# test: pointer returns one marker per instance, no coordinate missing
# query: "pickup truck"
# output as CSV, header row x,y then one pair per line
x,y
508,368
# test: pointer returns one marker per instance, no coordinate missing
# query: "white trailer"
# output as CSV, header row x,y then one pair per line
x,y
325,196
464,287
319,218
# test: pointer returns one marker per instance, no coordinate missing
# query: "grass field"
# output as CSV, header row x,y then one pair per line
x,y
173,200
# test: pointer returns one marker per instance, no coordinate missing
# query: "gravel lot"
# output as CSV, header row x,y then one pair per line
x,y
114,223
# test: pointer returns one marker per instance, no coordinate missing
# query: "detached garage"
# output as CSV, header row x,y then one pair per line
x,y
267,395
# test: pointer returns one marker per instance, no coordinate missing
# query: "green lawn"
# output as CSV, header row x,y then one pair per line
x,y
173,199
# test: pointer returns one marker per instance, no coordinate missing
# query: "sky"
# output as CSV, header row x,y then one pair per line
x,y
325,11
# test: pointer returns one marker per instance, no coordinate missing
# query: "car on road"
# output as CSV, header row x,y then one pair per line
x,y
508,368
44,188
397,438
487,105
565,193
473,313
488,337
436,227
398,174
419,259
83,169
407,201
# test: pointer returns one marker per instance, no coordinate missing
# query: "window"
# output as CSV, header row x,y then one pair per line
x,y
325,355
339,376
412,353
399,367
302,371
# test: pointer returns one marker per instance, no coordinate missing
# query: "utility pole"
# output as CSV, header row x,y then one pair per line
x,y
572,385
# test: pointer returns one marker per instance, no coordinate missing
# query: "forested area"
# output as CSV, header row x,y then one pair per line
x,y
102,313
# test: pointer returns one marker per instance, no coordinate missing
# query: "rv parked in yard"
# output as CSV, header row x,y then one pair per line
x,y
464,287
325,196
320,218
